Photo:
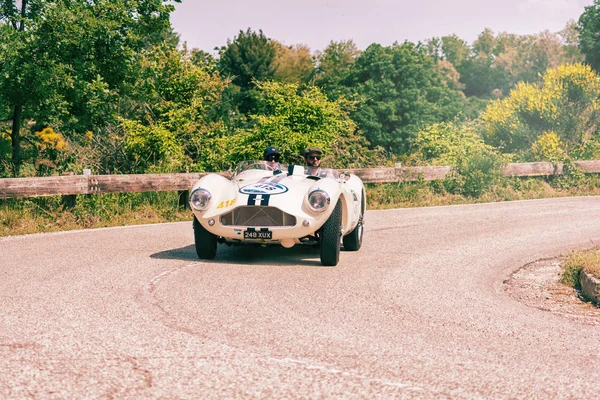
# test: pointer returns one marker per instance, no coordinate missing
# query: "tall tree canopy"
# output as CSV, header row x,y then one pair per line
x,y
399,88
294,119
248,58
64,61
172,113
589,34
333,66
294,64
498,61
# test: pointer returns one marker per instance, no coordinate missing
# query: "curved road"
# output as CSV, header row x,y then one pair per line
x,y
419,312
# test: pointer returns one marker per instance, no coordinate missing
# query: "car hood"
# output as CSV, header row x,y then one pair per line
x,y
286,192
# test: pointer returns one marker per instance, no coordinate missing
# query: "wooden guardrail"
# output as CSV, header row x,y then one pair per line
x,y
97,184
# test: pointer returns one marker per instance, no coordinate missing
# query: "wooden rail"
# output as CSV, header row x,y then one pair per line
x,y
97,184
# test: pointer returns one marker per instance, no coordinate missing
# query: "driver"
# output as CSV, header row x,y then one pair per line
x,y
271,157
312,158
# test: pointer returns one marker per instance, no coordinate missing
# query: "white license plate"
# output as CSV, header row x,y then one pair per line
x,y
258,234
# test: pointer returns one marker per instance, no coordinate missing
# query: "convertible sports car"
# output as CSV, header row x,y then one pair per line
x,y
270,203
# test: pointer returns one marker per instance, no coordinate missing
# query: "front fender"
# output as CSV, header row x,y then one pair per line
x,y
223,192
330,186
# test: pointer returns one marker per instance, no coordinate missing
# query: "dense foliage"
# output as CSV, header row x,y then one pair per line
x,y
64,63
560,116
106,85
399,89
589,34
294,120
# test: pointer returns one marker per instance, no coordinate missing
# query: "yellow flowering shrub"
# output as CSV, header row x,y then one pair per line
x,y
51,140
566,103
548,147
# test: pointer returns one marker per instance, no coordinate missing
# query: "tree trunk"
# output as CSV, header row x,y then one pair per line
x,y
16,140
18,110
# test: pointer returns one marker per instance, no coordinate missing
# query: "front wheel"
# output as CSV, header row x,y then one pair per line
x,y
330,237
206,242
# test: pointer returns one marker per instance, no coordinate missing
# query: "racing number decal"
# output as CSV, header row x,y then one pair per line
x,y
226,203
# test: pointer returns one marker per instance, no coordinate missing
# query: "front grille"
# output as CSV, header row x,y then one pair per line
x,y
257,216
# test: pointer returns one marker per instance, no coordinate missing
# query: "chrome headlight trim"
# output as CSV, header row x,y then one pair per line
x,y
200,199
318,200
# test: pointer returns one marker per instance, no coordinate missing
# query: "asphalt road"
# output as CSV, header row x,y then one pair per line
x,y
419,312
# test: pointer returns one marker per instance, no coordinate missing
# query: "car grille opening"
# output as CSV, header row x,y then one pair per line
x,y
257,216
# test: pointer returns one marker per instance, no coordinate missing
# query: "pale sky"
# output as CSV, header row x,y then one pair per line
x,y
208,24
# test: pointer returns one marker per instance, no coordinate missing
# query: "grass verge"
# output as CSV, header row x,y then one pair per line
x,y
574,263
434,193
48,214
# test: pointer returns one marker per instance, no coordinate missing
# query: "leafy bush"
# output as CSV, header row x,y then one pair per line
x,y
572,177
475,172
548,147
293,120
566,103
151,148
476,165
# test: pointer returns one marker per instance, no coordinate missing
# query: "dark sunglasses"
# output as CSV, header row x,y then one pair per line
x,y
272,158
314,157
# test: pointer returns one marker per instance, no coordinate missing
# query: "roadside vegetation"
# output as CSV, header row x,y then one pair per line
x,y
49,214
574,263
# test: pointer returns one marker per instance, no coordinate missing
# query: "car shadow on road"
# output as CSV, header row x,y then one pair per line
x,y
248,254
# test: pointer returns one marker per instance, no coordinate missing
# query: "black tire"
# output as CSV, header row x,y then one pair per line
x,y
330,237
206,242
353,240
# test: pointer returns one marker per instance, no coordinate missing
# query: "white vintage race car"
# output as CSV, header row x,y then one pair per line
x,y
270,203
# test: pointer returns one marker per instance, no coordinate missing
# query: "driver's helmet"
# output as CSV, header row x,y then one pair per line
x,y
271,154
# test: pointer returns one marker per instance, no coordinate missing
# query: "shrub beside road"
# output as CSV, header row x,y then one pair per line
x,y
587,262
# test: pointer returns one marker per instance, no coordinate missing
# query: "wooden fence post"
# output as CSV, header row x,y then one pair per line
x,y
68,200
184,197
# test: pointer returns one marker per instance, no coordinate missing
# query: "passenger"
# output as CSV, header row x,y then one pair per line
x,y
312,158
271,156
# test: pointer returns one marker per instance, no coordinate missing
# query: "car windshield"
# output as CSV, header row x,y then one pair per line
x,y
260,165
323,172
275,166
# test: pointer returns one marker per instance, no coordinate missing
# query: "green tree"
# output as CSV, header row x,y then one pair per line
x,y
569,36
476,71
498,62
333,66
455,50
172,116
204,60
399,89
294,119
64,62
433,48
589,34
294,64
247,59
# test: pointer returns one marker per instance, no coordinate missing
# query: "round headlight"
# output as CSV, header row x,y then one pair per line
x,y
200,199
318,200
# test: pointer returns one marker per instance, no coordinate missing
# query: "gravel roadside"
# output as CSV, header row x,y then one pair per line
x,y
538,285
